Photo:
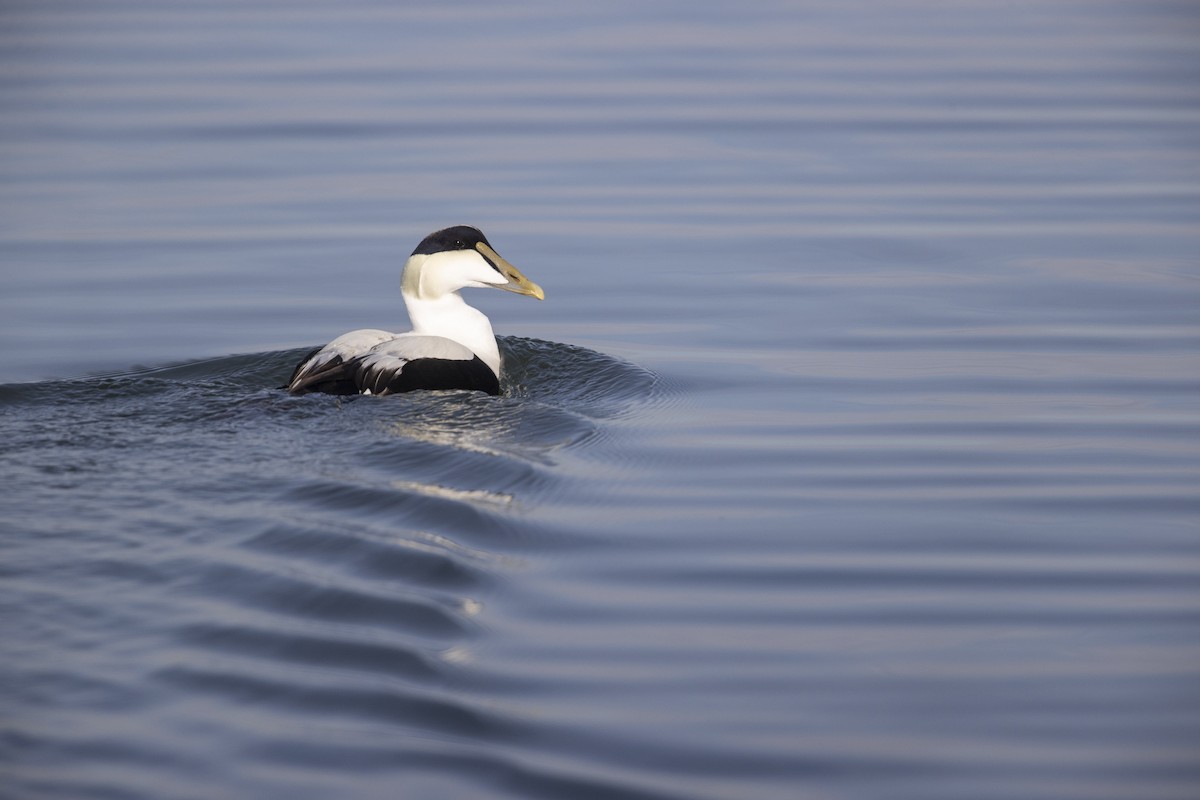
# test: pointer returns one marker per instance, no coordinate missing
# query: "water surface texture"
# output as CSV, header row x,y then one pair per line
x,y
854,452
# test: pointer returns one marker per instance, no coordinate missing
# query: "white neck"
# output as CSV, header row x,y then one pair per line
x,y
450,317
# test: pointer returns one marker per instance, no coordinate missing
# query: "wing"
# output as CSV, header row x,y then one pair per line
x,y
378,362
411,361
326,369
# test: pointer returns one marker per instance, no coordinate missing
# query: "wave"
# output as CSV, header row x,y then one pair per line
x,y
280,558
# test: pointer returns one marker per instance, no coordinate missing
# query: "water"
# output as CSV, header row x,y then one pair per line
x,y
853,452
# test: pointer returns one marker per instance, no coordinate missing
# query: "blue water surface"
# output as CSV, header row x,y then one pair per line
x,y
852,454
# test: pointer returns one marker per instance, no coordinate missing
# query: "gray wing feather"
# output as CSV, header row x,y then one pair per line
x,y
368,360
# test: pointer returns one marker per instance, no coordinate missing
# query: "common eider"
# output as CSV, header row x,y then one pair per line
x,y
451,345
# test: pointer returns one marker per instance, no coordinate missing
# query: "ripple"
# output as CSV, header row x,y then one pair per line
x,y
419,508
422,709
289,647
314,598
575,378
383,556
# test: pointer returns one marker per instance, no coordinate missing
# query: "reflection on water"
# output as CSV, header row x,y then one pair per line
x,y
851,454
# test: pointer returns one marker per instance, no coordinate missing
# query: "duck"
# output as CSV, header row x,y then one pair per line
x,y
451,344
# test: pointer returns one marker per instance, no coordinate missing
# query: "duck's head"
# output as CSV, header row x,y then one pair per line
x,y
460,258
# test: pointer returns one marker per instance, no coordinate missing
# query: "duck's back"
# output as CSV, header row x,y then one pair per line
x,y
378,362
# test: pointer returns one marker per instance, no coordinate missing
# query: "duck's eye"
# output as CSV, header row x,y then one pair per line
x,y
460,245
